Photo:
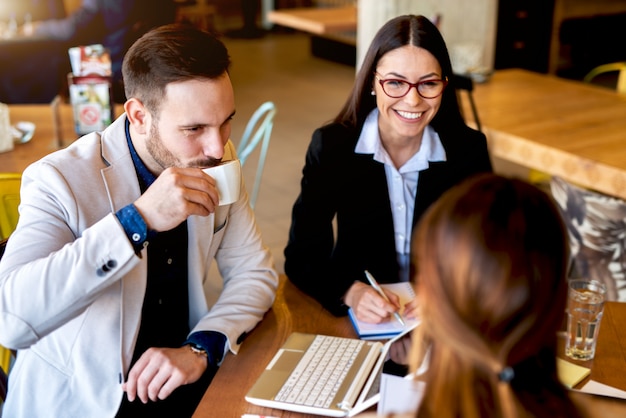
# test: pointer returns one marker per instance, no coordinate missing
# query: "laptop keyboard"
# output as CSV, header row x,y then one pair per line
x,y
320,373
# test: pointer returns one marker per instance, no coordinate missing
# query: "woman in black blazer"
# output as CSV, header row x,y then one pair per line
x,y
398,143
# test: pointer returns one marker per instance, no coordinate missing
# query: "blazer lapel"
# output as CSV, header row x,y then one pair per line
x,y
432,183
122,187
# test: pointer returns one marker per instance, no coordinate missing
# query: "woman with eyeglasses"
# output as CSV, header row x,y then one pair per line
x,y
397,144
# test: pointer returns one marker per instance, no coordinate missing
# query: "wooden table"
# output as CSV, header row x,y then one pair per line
x,y
609,364
53,131
292,311
562,127
316,20
337,24
295,311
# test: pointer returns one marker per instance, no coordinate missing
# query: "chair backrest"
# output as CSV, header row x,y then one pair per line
x,y
596,225
465,83
620,67
257,131
9,201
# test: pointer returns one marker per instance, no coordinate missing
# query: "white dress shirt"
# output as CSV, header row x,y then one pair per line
x,y
401,182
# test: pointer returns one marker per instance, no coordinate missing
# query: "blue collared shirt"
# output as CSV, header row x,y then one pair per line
x,y
402,182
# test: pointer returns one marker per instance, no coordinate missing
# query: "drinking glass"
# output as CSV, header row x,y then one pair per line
x,y
585,305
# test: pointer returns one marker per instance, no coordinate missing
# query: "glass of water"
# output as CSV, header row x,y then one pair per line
x,y
585,304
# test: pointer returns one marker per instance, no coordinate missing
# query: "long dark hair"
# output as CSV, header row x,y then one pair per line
x,y
396,33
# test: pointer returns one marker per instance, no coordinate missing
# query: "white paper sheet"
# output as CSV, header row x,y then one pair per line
x,y
399,395
597,388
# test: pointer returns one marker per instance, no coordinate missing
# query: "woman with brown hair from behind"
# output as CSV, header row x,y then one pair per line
x,y
489,261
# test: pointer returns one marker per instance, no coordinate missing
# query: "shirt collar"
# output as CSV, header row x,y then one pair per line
x,y
146,178
369,142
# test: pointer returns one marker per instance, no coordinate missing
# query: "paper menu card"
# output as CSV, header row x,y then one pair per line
x,y
391,327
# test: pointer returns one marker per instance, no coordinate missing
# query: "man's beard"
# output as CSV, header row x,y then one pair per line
x,y
164,157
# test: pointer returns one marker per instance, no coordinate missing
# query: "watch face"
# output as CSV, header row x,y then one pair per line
x,y
198,350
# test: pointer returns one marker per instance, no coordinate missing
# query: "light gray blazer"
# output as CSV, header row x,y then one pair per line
x,y
75,323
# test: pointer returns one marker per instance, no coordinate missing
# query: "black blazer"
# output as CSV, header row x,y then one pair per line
x,y
353,187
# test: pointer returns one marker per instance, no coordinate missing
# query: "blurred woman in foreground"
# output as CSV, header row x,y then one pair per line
x,y
490,259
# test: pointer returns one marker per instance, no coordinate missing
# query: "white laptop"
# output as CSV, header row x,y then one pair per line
x,y
342,385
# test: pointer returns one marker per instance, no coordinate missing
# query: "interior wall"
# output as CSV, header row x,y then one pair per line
x,y
469,27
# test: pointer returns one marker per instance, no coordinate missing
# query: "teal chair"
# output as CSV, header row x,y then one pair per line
x,y
258,131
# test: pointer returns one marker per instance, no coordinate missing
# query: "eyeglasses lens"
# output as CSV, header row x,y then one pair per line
x,y
428,89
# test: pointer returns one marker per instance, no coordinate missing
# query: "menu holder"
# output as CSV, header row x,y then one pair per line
x,y
92,103
90,87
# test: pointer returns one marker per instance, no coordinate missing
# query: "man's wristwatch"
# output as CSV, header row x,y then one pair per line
x,y
197,350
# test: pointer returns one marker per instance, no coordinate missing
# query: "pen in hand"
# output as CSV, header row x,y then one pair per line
x,y
380,291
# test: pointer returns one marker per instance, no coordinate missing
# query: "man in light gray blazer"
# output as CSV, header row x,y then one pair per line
x,y
102,285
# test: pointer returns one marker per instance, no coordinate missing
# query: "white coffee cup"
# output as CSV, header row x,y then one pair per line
x,y
227,175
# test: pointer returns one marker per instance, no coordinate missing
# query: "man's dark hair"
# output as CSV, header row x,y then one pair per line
x,y
167,54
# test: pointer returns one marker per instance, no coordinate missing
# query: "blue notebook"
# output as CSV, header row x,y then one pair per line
x,y
391,327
